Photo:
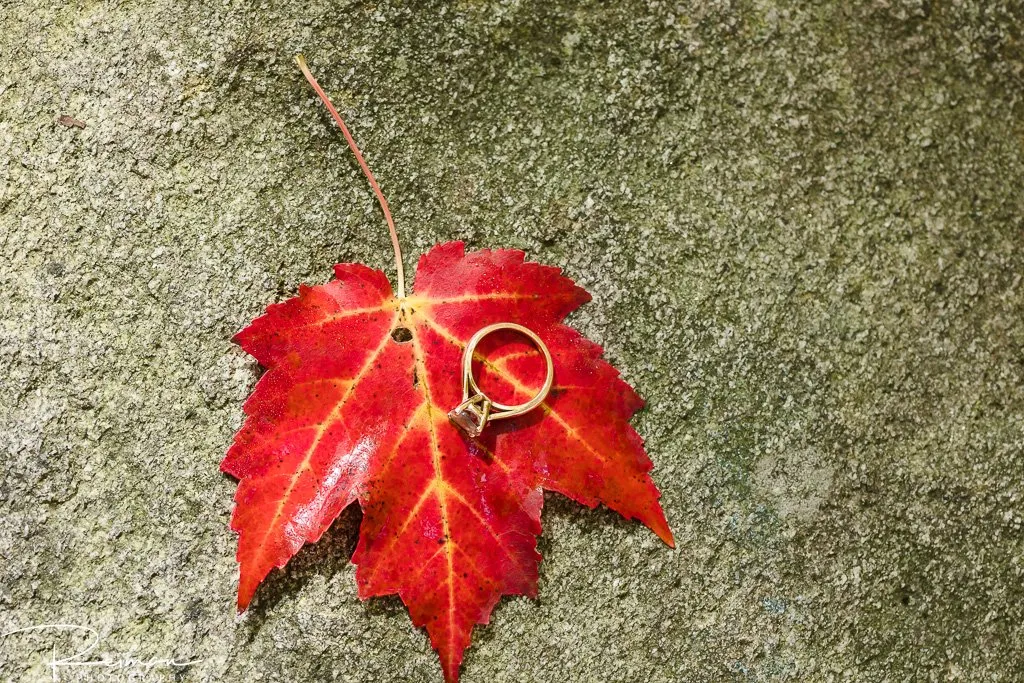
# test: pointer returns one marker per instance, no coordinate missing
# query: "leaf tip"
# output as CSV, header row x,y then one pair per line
x,y
246,590
663,532
450,668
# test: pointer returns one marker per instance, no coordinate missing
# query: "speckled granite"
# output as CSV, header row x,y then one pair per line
x,y
802,227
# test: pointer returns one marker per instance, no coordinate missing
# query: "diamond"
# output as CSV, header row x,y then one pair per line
x,y
471,415
466,421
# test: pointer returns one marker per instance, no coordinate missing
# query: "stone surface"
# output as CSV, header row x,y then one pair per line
x,y
802,226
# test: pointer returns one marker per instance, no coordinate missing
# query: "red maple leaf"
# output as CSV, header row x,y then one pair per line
x,y
353,407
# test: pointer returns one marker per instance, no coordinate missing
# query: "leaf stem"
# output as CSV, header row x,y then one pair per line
x,y
301,61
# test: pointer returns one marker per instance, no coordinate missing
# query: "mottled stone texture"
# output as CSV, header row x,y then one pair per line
x,y
802,225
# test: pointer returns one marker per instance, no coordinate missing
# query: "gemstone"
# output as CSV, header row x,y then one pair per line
x,y
466,420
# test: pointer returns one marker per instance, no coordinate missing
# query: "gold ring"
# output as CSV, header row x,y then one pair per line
x,y
473,414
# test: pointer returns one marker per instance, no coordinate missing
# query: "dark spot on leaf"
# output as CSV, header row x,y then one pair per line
x,y
401,335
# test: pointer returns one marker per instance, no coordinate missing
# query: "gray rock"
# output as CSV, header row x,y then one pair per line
x,y
801,224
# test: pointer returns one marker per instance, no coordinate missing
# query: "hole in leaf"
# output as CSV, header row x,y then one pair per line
x,y
401,335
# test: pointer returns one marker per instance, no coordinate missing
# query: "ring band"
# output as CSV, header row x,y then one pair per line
x,y
476,410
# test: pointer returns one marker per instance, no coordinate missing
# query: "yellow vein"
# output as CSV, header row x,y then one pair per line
x,y
442,500
272,437
336,381
424,566
371,359
427,493
387,305
473,565
427,300
394,451
406,430
480,518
